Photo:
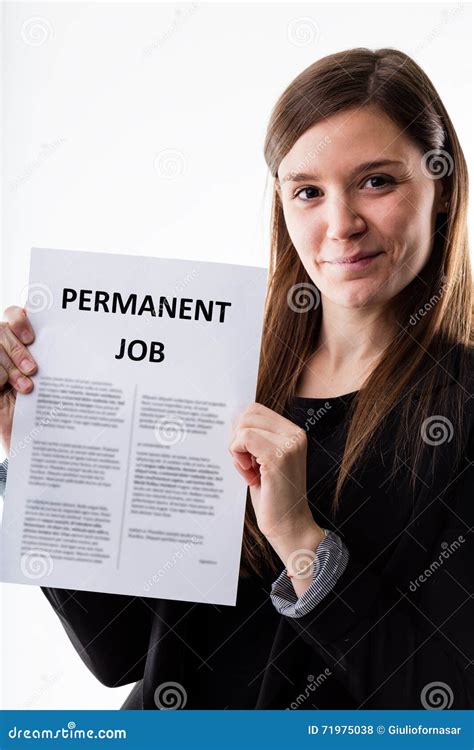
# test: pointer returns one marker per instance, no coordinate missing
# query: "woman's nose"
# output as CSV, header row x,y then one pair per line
x,y
342,219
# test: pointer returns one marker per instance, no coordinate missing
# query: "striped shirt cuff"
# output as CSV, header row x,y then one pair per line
x,y
3,476
330,563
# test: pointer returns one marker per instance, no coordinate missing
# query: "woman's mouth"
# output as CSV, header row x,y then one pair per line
x,y
354,265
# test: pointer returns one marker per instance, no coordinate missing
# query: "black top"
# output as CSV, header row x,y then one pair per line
x,y
377,641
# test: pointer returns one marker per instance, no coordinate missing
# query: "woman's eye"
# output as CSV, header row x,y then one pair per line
x,y
305,190
378,181
379,177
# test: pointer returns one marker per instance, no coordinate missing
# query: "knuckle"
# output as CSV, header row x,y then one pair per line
x,y
294,441
17,351
13,372
249,409
300,442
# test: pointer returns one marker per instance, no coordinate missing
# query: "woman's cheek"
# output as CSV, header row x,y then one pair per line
x,y
305,235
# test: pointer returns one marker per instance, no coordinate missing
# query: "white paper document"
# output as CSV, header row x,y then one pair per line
x,y
120,478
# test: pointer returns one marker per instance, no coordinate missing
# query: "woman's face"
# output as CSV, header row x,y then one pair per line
x,y
335,207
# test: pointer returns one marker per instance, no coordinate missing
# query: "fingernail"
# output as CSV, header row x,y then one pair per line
x,y
25,337
23,382
27,365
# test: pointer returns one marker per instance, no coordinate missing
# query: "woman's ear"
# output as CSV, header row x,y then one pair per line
x,y
443,198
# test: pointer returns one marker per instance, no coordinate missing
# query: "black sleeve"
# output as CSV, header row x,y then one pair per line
x,y
110,632
408,645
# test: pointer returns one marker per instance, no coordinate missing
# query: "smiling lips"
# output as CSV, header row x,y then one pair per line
x,y
347,265
355,258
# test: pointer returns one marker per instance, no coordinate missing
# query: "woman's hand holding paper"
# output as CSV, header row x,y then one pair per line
x,y
16,364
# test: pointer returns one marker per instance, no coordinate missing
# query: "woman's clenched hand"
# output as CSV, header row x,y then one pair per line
x,y
270,451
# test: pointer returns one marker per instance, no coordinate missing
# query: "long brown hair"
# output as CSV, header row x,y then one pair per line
x,y
391,80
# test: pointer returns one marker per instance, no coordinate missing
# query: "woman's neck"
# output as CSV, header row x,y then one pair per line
x,y
352,335
349,347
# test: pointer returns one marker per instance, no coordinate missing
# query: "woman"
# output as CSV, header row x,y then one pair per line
x,y
357,568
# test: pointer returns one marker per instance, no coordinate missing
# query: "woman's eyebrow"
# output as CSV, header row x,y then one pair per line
x,y
302,176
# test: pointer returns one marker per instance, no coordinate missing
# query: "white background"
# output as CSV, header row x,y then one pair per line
x,y
87,114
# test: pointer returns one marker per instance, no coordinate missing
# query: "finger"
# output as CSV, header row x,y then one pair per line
x,y
18,320
260,443
3,376
250,475
18,353
283,430
14,376
265,439
257,415
243,458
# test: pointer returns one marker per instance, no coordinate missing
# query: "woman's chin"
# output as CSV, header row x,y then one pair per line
x,y
357,293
